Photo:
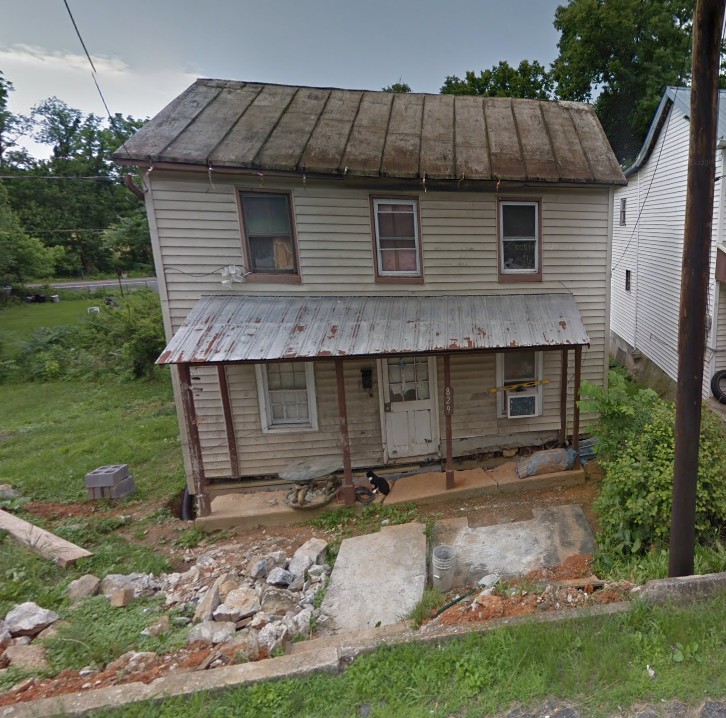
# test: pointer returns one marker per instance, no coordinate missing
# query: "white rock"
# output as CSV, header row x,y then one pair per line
x,y
278,601
259,620
317,571
257,567
29,619
206,607
315,548
5,636
302,620
299,563
211,632
239,604
489,580
272,636
28,658
297,584
277,559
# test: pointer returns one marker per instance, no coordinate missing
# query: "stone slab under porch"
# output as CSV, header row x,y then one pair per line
x,y
268,508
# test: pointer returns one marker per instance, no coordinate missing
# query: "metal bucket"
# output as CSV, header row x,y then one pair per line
x,y
443,565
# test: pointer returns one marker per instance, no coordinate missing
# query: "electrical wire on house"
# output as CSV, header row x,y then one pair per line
x,y
195,274
652,179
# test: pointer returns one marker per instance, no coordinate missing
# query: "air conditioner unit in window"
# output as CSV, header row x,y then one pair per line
x,y
521,404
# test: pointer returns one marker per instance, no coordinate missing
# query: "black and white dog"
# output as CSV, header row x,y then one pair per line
x,y
379,483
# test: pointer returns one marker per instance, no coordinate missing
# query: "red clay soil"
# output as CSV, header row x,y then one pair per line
x,y
537,592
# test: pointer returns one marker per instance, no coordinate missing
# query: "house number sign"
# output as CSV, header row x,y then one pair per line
x,y
448,401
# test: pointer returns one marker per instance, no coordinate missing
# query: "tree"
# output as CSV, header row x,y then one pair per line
x,y
623,53
71,198
529,80
12,128
398,87
21,256
129,243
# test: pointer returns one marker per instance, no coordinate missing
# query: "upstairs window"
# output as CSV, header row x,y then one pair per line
x,y
397,238
623,211
520,246
268,233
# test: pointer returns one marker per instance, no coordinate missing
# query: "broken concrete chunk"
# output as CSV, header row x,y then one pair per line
x,y
163,625
8,493
279,577
121,597
315,548
29,619
246,642
272,636
276,558
83,587
240,603
211,632
206,607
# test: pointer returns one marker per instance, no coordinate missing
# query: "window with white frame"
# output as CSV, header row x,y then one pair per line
x,y
519,380
519,240
286,394
623,211
397,237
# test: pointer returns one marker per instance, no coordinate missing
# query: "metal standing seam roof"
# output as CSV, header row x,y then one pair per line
x,y
225,329
327,131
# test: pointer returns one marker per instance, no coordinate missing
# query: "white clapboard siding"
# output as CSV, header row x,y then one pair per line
x,y
196,231
650,245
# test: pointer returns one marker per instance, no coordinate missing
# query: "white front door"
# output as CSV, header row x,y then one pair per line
x,y
408,396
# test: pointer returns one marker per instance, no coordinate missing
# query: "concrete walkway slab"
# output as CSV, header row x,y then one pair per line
x,y
377,579
517,548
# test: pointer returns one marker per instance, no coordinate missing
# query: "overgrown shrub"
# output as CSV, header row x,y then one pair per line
x,y
124,338
636,449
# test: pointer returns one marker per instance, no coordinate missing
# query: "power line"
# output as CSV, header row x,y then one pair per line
x,y
58,177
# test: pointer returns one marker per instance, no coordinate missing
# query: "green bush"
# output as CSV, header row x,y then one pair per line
x,y
636,449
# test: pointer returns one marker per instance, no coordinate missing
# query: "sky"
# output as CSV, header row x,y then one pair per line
x,y
147,51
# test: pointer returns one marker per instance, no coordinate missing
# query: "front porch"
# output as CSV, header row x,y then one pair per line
x,y
418,360
268,508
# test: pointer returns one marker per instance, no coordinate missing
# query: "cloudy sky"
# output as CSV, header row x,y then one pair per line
x,y
147,51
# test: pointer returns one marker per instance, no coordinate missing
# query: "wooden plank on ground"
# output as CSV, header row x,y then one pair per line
x,y
63,552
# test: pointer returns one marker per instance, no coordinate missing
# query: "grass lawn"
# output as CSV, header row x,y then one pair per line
x,y
53,433
597,662
20,320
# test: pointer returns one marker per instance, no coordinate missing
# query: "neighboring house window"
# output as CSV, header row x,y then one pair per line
x,y
520,246
397,241
268,233
522,371
627,280
623,211
286,393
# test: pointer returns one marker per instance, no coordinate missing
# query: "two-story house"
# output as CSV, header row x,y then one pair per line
x,y
648,231
378,277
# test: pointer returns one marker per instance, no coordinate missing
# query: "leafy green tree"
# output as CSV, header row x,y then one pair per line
x,y
529,80
21,257
622,54
128,242
397,87
12,128
71,198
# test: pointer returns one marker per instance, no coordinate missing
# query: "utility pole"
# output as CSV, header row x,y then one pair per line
x,y
707,28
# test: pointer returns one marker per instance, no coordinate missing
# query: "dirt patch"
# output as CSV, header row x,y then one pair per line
x,y
57,511
565,586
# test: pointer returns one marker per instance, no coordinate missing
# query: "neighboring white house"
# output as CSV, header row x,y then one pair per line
x,y
382,278
648,229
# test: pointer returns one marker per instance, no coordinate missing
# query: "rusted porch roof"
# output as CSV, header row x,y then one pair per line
x,y
357,133
226,329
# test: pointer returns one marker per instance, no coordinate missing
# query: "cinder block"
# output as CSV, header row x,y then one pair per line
x,y
107,475
124,488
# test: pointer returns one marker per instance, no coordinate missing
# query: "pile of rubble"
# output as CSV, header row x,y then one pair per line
x,y
254,598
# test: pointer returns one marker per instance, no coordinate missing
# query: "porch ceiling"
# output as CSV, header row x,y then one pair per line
x,y
226,329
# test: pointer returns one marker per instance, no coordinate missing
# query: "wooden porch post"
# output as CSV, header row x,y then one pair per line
x,y
576,409
347,490
228,422
195,447
563,398
448,411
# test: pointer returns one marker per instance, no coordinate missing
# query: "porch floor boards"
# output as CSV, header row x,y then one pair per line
x,y
268,508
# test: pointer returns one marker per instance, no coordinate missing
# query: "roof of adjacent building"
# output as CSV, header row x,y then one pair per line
x,y
325,131
222,329
679,97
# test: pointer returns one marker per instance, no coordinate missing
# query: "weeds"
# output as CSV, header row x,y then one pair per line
x,y
430,602
190,537
345,522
